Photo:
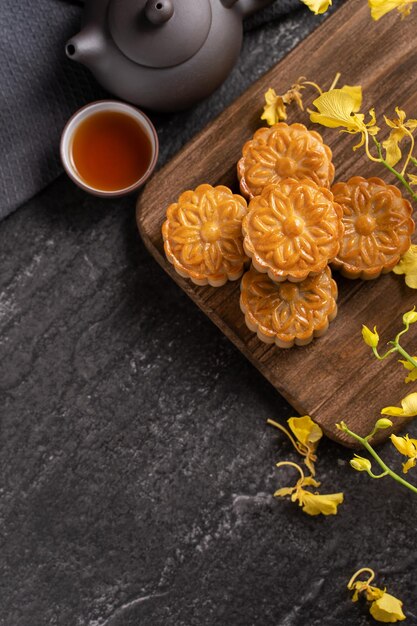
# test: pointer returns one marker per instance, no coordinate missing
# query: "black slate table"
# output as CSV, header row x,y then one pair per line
x,y
137,469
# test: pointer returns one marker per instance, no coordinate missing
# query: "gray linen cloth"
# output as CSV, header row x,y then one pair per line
x,y
40,89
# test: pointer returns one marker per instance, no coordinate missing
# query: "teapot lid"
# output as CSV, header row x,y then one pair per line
x,y
159,33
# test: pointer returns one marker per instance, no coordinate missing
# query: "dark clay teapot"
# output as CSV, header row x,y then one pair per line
x,y
161,54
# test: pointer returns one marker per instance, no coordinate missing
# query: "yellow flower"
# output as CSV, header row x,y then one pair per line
x,y
316,504
274,109
387,609
318,6
384,607
400,128
307,436
311,503
408,266
275,106
408,407
413,179
370,338
412,376
380,7
340,108
335,108
410,317
360,464
407,447
307,432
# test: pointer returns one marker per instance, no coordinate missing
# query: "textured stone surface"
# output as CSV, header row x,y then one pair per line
x,y
136,465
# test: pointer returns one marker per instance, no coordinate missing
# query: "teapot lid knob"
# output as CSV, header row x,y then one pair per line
x,y
159,11
159,33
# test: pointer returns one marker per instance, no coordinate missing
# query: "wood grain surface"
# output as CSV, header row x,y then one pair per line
x,y
335,377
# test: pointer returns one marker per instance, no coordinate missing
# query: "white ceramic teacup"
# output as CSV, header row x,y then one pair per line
x,y
108,106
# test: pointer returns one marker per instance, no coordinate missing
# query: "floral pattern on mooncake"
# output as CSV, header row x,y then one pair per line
x,y
288,313
378,227
203,235
292,229
284,151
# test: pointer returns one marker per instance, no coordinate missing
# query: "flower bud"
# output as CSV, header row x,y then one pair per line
x,y
410,317
370,338
360,464
382,423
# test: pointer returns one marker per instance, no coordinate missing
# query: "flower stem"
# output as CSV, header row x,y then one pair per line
x,y
297,446
372,475
378,459
410,152
368,570
393,171
383,356
291,464
406,355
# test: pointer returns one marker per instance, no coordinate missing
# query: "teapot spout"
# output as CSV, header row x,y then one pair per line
x,y
247,7
86,47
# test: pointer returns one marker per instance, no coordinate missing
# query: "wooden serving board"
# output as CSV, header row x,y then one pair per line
x,y
335,377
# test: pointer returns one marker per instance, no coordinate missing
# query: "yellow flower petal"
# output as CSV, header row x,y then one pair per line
x,y
407,365
284,491
401,128
274,109
380,7
307,432
408,407
412,179
408,266
355,91
406,446
370,338
309,481
391,146
360,464
400,443
411,124
318,6
412,376
316,504
409,464
387,609
335,108
398,122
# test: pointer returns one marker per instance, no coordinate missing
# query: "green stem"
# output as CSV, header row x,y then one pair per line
x,y
384,356
413,161
400,334
380,462
372,475
406,355
393,171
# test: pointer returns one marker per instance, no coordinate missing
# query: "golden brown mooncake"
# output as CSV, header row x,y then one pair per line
x,y
203,235
378,227
284,151
292,229
288,313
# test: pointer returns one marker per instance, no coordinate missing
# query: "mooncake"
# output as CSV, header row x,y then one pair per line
x,y
284,151
288,313
292,229
203,235
378,226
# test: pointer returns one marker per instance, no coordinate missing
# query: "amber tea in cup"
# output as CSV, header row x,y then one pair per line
x,y
109,148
